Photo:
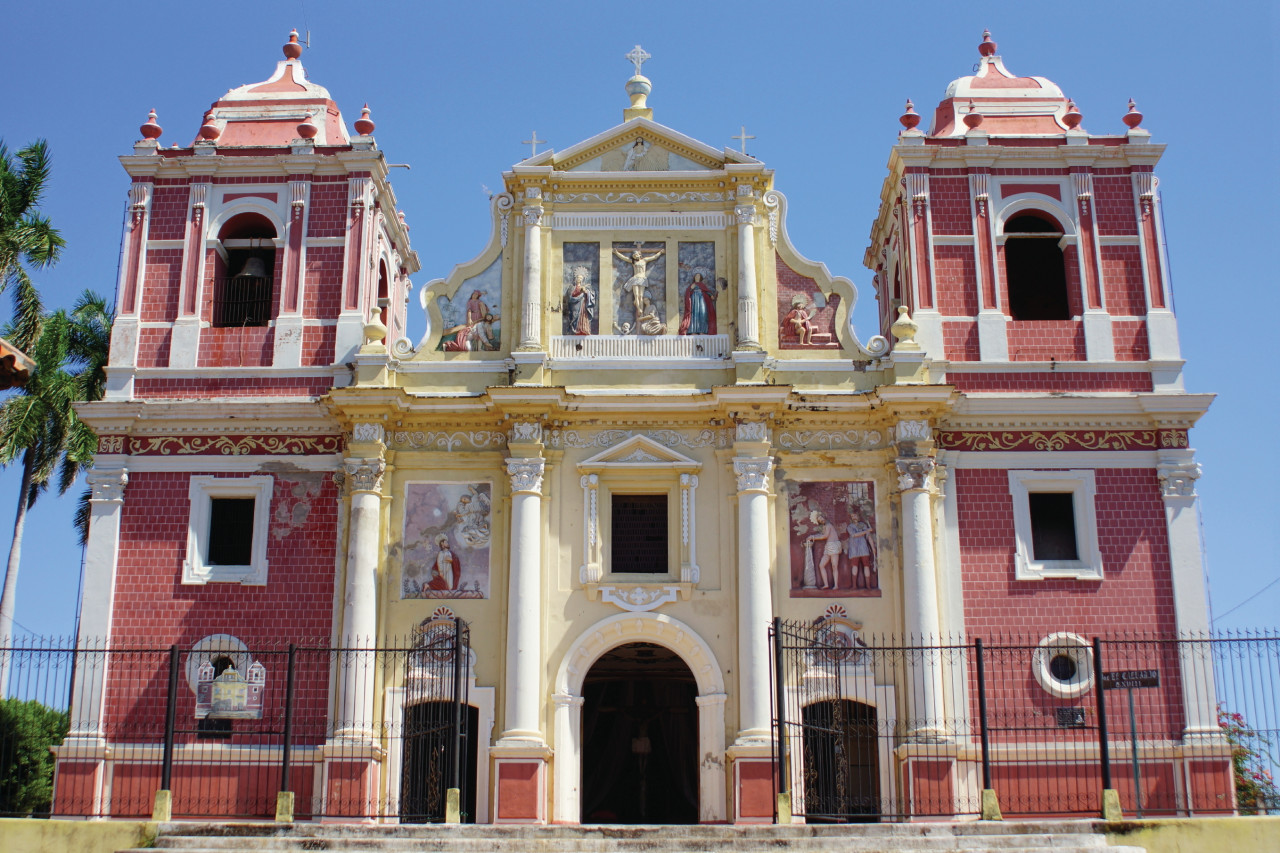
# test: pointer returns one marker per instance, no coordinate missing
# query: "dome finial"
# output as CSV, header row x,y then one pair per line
x,y
364,124
988,47
209,131
973,118
152,129
910,118
307,128
1073,116
292,49
1133,118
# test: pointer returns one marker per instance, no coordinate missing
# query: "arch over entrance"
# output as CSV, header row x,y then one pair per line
x,y
622,630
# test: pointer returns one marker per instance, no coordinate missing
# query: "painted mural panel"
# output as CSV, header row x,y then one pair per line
x,y
833,539
473,317
639,289
806,316
446,536
581,309
698,288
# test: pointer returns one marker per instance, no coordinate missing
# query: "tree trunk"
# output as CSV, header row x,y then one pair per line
x,y
10,594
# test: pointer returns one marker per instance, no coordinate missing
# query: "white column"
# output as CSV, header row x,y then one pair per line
x,y
531,313
920,593
97,601
711,782
1191,606
524,603
755,601
748,310
567,807
359,613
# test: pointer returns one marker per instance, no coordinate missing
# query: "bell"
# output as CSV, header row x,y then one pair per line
x,y
253,268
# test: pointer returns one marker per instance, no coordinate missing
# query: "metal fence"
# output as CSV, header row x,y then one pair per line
x,y
884,729
96,732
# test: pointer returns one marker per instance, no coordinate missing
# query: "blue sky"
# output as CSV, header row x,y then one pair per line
x,y
454,89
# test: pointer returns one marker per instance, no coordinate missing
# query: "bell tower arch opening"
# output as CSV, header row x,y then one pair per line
x,y
640,738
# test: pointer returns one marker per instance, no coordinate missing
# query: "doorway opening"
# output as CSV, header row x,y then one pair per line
x,y
841,762
428,748
640,738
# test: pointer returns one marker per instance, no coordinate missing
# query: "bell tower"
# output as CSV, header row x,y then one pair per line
x,y
255,256
1021,242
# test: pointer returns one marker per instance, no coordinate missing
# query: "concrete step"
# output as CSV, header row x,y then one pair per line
x,y
1005,837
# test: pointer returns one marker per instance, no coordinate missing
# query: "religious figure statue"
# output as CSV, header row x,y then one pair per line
x,y
859,548
699,315
648,323
639,275
579,305
489,337
635,154
800,319
476,309
472,517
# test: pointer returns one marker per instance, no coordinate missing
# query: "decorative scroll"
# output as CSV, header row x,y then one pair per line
x,y
853,439
232,445
482,439
1146,439
111,443
616,198
568,438
638,599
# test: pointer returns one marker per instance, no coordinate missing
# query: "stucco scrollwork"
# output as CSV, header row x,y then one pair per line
x,y
481,439
638,599
526,431
751,431
368,433
363,475
526,474
856,439
694,440
752,473
912,431
913,472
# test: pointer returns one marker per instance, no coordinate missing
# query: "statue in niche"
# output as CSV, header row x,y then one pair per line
x,y
699,316
799,319
639,276
580,304
635,154
647,323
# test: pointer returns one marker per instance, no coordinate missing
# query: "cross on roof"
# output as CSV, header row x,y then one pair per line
x,y
637,57
533,143
742,135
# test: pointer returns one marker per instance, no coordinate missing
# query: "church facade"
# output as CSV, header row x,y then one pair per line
x,y
639,426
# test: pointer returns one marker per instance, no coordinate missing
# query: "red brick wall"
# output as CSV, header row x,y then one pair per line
x,y
1113,202
1122,281
1050,382
328,214
322,297
955,281
949,205
1130,338
160,285
960,340
1042,340
169,211
1135,595
201,388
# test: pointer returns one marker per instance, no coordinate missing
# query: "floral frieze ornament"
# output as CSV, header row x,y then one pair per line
x,y
637,599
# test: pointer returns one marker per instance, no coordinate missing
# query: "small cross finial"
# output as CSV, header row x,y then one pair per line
x,y
533,143
637,57
743,137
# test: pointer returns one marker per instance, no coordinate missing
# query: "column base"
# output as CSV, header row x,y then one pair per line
x,y
352,767
520,780
754,785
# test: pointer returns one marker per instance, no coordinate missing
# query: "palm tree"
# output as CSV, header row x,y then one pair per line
x,y
26,237
40,425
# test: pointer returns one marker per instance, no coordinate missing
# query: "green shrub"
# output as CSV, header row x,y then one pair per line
x,y
27,730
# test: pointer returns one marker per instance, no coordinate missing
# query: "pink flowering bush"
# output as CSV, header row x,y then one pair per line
x,y
1255,786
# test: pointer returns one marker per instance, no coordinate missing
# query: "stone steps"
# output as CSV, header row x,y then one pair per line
x,y
1005,837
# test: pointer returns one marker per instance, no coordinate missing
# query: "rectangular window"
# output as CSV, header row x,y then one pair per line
x,y
231,531
227,532
1053,526
639,534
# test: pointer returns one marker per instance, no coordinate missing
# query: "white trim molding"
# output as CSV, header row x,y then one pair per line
x,y
1082,488
203,489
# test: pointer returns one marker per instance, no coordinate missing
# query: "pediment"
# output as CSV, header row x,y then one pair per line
x,y
639,145
638,452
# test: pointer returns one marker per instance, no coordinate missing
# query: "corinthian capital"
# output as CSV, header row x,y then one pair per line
x,y
526,474
107,485
746,214
753,473
1179,481
913,472
363,475
532,215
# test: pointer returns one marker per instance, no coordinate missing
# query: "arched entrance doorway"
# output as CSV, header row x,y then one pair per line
x,y
639,738
841,762
428,749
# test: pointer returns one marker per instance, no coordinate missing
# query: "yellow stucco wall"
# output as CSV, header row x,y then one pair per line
x,y
1199,835
24,835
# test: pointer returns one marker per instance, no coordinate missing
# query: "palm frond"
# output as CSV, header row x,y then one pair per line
x,y
84,510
